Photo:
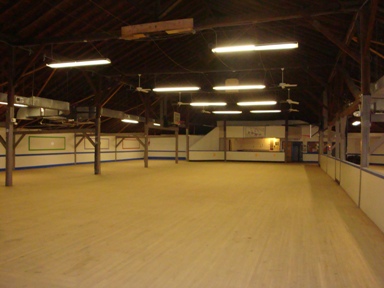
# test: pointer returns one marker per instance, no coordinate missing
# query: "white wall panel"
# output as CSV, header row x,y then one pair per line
x,y
235,131
255,156
206,155
350,180
372,198
338,172
310,157
331,167
208,142
275,132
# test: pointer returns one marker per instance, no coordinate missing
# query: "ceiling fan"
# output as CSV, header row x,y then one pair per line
x,y
291,102
285,85
141,89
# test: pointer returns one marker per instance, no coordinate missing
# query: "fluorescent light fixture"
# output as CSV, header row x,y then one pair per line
x,y
176,89
265,111
203,104
243,48
356,123
130,121
16,104
156,124
256,103
80,63
226,112
239,87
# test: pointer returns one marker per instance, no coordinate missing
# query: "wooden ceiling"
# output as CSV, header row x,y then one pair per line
x,y
327,60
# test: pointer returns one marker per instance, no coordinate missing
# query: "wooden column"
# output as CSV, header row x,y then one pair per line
x,y
286,149
146,138
365,87
177,146
97,164
187,134
9,122
338,139
343,138
225,140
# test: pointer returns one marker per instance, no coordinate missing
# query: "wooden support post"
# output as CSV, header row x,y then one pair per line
x,y
343,138
187,134
365,86
286,158
9,122
225,140
146,138
177,146
97,164
338,139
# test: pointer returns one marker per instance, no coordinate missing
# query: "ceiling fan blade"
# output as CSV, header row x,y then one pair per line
x,y
140,89
182,103
289,101
287,85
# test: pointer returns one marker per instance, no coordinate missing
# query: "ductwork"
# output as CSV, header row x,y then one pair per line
x,y
37,106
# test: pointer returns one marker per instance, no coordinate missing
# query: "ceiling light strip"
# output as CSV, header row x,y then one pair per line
x,y
227,112
80,63
256,103
175,89
245,48
204,104
265,111
239,87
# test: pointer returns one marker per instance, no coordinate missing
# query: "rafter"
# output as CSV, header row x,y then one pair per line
x,y
331,37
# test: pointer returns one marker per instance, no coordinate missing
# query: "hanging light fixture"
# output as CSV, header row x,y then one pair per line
x,y
129,121
81,63
256,103
204,104
226,112
265,111
263,47
239,87
175,89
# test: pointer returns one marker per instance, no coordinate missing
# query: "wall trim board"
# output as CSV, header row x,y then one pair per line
x,y
44,154
377,174
166,151
165,158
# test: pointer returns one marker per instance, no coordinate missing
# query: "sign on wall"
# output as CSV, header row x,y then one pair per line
x,y
256,131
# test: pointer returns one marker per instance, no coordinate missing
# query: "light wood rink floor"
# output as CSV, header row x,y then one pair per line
x,y
199,224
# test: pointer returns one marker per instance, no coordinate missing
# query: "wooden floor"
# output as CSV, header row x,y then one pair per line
x,y
186,225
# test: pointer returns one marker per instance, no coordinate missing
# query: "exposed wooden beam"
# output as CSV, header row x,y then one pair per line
x,y
31,61
347,40
25,74
112,94
331,37
350,84
252,19
316,77
371,24
46,82
170,8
